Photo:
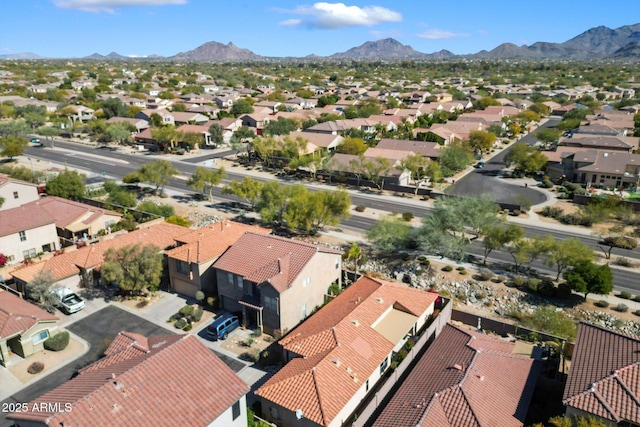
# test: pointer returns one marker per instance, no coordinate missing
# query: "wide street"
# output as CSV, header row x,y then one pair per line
x,y
115,164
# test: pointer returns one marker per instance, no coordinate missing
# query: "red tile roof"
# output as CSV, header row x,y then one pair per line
x,y
162,235
23,218
18,315
207,243
160,381
259,258
604,379
340,348
464,378
66,211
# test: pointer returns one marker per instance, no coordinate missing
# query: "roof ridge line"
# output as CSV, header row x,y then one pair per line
x,y
475,416
317,389
604,403
624,385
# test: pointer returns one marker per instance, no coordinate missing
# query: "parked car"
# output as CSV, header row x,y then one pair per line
x,y
479,165
70,302
35,140
222,326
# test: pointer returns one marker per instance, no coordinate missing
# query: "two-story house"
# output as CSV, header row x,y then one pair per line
x,y
16,193
26,232
275,282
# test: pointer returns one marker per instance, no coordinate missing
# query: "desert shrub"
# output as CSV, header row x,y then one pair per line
x,y
624,242
252,355
517,212
563,291
460,267
35,368
636,298
361,208
248,342
447,268
518,281
486,274
552,212
188,327
199,296
602,303
533,284
624,262
500,279
256,333
186,311
58,342
180,323
637,312
124,224
546,287
142,303
576,219
546,183
407,216
622,308
197,314
463,272
624,295
481,295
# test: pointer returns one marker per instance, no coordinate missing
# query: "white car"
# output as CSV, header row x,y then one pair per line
x,y
70,302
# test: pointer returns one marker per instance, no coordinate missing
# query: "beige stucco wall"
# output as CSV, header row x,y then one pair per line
x,y
26,194
36,238
203,278
226,418
27,347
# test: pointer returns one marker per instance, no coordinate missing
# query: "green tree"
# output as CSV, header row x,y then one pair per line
x,y
216,132
454,221
158,173
281,126
434,171
133,267
587,278
274,199
39,291
525,158
390,233
13,128
161,209
205,177
376,170
547,135
114,107
69,184
568,253
354,253
241,106
481,140
498,236
49,132
248,189
484,102
118,132
417,165
548,319
12,146
455,157
355,146
165,135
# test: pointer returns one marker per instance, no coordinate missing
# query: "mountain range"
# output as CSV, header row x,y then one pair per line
x,y
601,42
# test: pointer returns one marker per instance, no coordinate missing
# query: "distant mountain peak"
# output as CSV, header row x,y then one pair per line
x,y
388,48
214,51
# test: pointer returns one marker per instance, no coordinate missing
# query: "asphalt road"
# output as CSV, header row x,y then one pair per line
x,y
486,180
116,165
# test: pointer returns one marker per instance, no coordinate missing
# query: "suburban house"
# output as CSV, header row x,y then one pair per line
x,y
166,116
23,327
597,168
160,381
75,221
604,377
190,264
338,355
598,142
465,378
80,113
139,124
424,148
183,118
275,282
256,121
351,165
77,268
202,130
16,193
26,231
318,141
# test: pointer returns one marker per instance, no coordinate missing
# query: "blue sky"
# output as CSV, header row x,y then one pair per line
x,y
76,28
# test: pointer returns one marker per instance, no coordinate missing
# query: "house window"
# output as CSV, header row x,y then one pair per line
x,y
384,365
235,410
46,248
366,386
39,337
15,195
12,258
230,278
337,264
23,236
271,303
304,311
29,253
306,282
182,267
240,283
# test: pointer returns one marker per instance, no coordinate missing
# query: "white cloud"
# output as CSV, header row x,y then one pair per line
x,y
435,34
338,15
109,6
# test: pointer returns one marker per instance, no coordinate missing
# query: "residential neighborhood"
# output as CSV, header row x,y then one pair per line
x,y
336,242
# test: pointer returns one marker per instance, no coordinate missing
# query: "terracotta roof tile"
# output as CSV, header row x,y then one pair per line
x,y
208,243
605,374
259,258
340,348
23,218
68,264
18,315
178,381
464,379
67,212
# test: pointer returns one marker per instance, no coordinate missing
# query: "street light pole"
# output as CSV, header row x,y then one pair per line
x,y
33,173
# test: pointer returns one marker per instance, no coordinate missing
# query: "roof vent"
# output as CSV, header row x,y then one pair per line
x,y
480,377
336,361
355,322
458,367
380,300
